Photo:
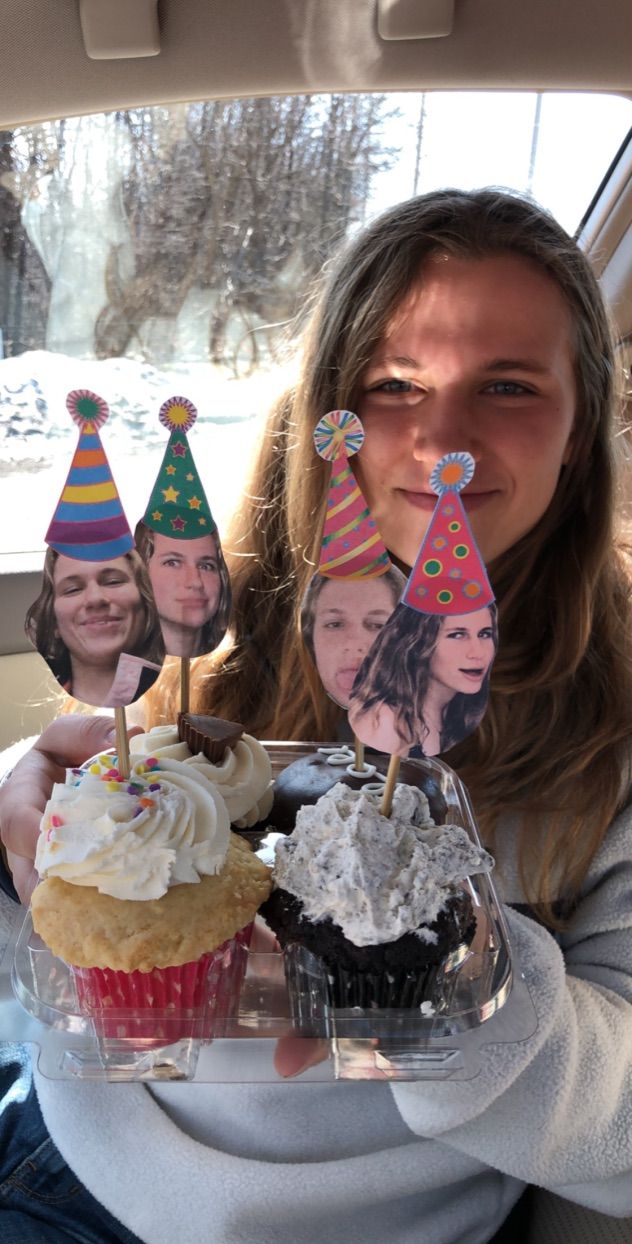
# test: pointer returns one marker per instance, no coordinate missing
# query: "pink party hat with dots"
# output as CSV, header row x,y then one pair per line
x,y
351,546
449,575
89,523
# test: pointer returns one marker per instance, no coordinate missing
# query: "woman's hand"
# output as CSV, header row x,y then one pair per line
x,y
69,741
292,1054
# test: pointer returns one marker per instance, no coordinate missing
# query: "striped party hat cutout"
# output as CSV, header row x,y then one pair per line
x,y
89,523
449,575
351,546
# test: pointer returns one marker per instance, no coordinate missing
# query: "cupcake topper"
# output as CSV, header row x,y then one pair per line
x,y
425,681
178,539
356,586
95,621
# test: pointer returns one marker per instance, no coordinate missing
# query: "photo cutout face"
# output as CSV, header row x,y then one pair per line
x,y
96,626
425,682
340,619
463,653
191,589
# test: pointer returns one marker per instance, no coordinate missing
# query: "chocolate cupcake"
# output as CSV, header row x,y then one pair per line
x,y
306,780
379,901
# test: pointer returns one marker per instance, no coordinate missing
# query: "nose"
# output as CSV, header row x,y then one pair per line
x,y
354,640
193,579
95,596
476,649
444,425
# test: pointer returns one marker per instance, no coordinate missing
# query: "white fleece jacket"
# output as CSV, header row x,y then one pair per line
x,y
361,1163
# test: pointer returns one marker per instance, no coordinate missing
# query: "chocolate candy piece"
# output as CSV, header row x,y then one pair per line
x,y
210,735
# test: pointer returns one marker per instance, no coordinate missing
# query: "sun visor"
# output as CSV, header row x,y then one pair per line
x,y
119,29
414,19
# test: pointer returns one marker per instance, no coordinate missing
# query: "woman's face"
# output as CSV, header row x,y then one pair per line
x,y
463,652
185,579
98,609
347,619
480,359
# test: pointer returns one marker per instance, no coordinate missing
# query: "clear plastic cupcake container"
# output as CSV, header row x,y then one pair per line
x,y
245,1014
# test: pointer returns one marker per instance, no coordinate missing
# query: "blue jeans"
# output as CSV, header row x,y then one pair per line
x,y
41,1200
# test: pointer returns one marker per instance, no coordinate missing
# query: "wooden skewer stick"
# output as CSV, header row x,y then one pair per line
x,y
359,754
389,787
185,684
122,742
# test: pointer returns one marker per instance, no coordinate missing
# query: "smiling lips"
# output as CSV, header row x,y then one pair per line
x,y
427,501
107,620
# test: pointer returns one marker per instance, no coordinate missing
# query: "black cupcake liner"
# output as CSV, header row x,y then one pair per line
x,y
328,1000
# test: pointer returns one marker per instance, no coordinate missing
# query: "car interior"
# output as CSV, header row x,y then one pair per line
x,y
174,173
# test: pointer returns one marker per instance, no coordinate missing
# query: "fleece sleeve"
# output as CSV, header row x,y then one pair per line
x,y
555,1109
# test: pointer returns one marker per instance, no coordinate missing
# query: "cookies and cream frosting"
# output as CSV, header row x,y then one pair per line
x,y
133,838
243,778
376,877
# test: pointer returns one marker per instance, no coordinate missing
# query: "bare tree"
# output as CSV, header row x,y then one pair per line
x,y
243,199
25,156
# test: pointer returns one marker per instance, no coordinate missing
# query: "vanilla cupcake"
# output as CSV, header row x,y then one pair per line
x,y
235,764
143,890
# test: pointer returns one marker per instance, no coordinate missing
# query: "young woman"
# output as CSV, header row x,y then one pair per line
x,y
95,624
425,682
455,322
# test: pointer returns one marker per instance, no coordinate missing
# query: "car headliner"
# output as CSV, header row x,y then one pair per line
x,y
222,48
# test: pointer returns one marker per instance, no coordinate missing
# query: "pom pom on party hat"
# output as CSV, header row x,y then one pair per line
x,y
351,546
89,523
449,575
178,506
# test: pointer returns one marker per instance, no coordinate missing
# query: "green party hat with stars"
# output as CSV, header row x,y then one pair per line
x,y
178,506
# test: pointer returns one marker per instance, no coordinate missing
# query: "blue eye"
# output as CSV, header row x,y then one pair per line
x,y
507,388
394,385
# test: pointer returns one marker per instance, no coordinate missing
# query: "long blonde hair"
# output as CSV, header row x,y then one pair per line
x,y
554,742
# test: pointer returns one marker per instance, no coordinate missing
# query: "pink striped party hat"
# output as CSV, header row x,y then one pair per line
x,y
351,546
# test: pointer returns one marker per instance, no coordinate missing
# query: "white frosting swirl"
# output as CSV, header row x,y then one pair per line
x,y
134,838
376,877
244,777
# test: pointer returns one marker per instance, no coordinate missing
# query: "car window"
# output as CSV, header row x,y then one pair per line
x,y
172,249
